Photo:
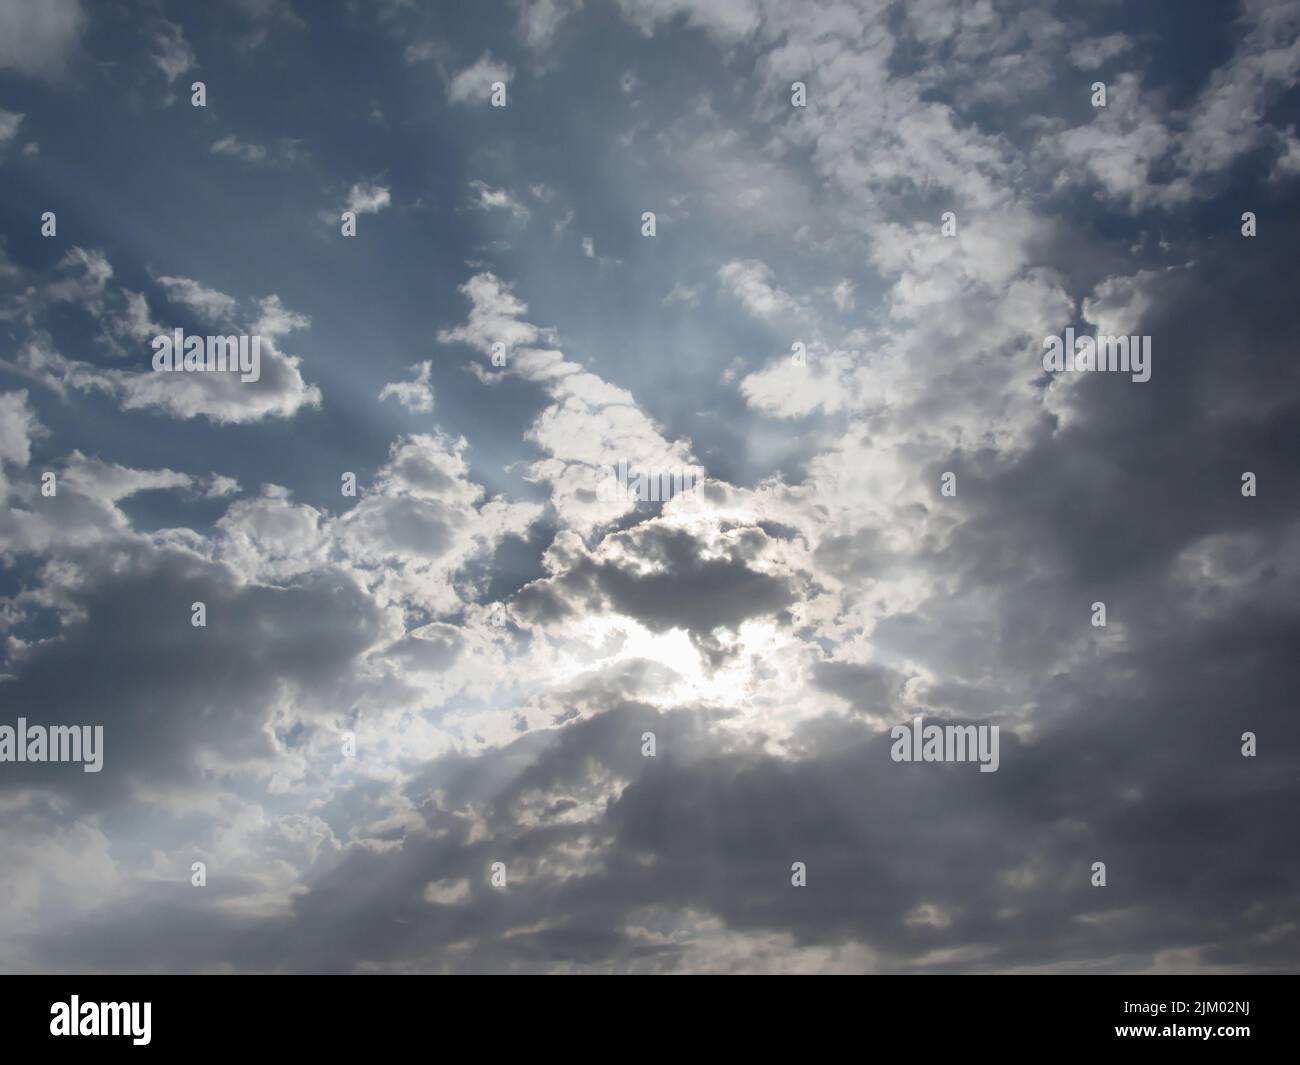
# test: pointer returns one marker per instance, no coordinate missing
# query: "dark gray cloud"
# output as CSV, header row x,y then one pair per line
x,y
666,579
167,691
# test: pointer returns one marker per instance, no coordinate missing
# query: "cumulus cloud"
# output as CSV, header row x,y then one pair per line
x,y
367,198
750,282
85,278
490,199
590,423
473,84
417,395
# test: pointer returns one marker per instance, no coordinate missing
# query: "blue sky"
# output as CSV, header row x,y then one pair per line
x,y
495,637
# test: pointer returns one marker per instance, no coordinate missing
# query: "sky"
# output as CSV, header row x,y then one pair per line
x,y
494,710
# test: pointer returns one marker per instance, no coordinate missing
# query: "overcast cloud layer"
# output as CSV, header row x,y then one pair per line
x,y
496,633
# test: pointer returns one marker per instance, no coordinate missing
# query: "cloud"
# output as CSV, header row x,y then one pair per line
x,y
19,426
422,520
65,680
473,84
1095,52
490,199
494,316
367,198
419,51
458,664
172,55
1228,119
16,428
209,304
9,123
1122,146
750,282
727,21
1167,157
666,578
81,277
84,278
589,425
263,17
540,20
687,295
230,145
417,395
40,40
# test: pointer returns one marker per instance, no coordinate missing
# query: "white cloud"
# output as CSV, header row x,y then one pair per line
x,y
84,510
173,55
473,85
208,303
417,395
539,20
271,538
421,520
219,486
687,295
18,428
750,282
1127,142
1228,118
494,315
728,21
231,145
958,318
265,15
9,123
490,199
1120,147
84,277
40,39
447,892
419,51
367,198
1288,160
1094,52
134,323
590,424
